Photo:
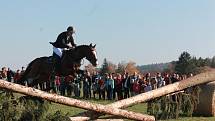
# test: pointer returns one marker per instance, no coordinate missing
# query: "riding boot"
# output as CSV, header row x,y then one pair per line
x,y
57,67
56,63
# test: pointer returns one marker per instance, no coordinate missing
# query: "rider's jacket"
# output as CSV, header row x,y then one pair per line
x,y
63,40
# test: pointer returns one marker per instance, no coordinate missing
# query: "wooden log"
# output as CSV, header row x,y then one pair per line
x,y
74,102
85,119
206,106
109,120
178,86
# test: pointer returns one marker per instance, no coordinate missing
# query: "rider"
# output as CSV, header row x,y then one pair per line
x,y
64,41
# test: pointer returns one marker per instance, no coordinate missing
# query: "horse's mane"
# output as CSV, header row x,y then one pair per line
x,y
78,47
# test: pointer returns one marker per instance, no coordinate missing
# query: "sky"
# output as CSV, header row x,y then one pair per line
x,y
142,31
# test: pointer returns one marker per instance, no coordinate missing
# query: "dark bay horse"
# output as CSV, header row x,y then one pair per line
x,y
40,69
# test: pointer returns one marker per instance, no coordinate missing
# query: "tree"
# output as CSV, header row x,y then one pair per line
x,y
121,67
185,64
207,61
213,62
203,62
107,67
131,68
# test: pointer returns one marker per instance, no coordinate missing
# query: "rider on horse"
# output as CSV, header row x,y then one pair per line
x,y
64,41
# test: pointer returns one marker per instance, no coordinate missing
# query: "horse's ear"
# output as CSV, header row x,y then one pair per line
x,y
94,46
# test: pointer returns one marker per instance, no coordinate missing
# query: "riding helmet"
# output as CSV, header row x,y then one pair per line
x,y
70,28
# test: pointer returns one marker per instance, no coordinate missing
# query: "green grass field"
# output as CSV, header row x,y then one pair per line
x,y
137,108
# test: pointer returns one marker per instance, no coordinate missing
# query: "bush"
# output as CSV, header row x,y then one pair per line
x,y
26,108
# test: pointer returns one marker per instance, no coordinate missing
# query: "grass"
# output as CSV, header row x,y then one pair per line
x,y
141,108
72,110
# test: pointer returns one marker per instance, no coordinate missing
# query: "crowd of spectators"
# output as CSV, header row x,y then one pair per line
x,y
113,86
110,86
10,75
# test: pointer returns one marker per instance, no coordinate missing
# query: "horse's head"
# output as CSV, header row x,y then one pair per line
x,y
86,51
90,54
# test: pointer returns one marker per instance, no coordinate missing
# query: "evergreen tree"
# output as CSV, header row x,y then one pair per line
x,y
213,62
207,61
107,67
121,68
185,64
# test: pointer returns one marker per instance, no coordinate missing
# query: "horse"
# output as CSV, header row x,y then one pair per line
x,y
41,69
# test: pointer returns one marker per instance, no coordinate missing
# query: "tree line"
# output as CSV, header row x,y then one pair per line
x,y
185,64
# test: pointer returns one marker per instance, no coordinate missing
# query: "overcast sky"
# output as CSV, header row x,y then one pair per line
x,y
143,31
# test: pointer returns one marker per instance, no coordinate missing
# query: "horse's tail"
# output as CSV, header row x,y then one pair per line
x,y
23,77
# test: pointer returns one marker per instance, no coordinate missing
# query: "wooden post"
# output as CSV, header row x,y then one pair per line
x,y
74,102
178,86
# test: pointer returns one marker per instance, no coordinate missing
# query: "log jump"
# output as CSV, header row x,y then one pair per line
x,y
74,102
202,78
114,108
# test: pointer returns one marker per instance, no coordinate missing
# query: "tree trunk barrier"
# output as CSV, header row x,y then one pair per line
x,y
74,102
201,78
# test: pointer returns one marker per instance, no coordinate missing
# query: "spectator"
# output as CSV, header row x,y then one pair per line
x,y
57,83
110,86
133,78
119,85
77,85
141,82
148,76
10,75
148,86
175,78
136,87
17,76
87,86
62,86
160,81
114,76
4,73
95,85
102,88
167,79
126,85
153,83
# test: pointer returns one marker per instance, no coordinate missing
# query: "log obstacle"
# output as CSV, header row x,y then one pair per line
x,y
202,78
206,106
74,102
83,119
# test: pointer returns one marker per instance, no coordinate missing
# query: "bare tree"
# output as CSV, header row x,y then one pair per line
x,y
131,67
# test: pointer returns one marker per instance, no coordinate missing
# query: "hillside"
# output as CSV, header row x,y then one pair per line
x,y
158,67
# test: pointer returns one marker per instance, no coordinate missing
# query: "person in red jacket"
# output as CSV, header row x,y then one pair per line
x,y
136,87
119,86
17,76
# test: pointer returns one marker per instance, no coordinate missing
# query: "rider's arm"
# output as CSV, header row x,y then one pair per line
x,y
65,44
71,40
